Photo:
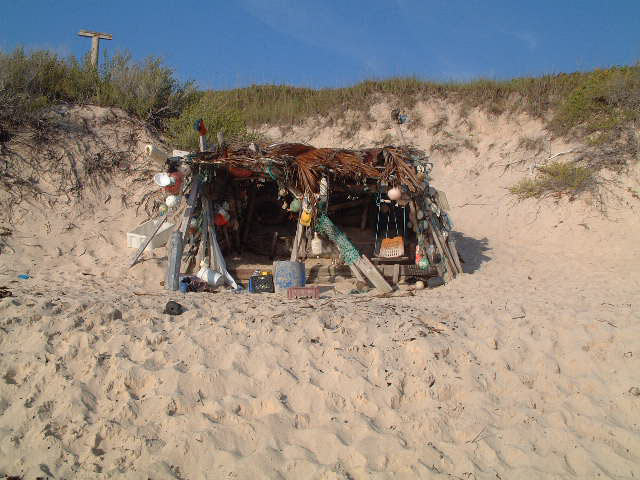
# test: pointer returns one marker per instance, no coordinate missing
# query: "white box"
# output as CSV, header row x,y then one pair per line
x,y
138,235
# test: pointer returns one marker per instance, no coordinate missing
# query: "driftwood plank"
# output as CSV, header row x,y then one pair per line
x,y
357,274
439,241
454,253
191,206
373,274
396,273
350,204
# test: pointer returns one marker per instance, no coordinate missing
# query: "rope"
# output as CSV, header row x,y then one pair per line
x,y
348,251
375,245
273,177
395,219
404,222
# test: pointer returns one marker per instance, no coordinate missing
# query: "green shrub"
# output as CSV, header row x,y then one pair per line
x,y
603,101
217,118
555,178
146,89
35,80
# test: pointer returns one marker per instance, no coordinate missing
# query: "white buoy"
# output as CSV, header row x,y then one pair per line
x,y
211,277
172,201
163,179
394,194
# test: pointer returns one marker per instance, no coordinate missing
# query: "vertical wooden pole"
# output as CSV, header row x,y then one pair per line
x,y
365,216
95,50
296,240
95,43
191,206
204,239
251,204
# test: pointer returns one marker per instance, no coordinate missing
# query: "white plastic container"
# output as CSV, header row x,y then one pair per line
x,y
138,235
316,244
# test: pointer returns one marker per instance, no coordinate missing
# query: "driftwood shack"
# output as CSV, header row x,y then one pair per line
x,y
370,213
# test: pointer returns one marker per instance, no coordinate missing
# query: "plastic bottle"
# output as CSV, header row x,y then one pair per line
x,y
305,217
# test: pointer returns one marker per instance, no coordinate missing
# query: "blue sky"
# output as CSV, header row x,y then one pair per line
x,y
226,44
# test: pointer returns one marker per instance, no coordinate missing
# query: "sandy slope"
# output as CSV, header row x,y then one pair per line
x,y
526,367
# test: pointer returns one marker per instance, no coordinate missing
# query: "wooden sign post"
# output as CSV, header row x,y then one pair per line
x,y
95,43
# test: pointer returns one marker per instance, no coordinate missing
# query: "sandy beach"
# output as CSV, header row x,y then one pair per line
x,y
527,366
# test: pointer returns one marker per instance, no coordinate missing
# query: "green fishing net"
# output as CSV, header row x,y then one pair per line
x,y
348,251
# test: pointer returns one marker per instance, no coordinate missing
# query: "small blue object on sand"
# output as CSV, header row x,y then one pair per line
x,y
24,276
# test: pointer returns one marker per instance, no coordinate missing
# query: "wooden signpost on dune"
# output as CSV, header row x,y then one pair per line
x,y
95,43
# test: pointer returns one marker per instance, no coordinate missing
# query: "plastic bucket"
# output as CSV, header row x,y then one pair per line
x,y
288,274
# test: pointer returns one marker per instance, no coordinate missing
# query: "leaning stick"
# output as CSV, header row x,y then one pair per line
x,y
136,256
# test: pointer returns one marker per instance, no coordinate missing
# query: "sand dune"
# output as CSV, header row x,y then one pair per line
x,y
525,367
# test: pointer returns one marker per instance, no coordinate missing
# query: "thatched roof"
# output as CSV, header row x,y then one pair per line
x,y
302,166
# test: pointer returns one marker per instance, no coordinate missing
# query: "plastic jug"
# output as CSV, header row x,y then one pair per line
x,y
208,275
316,244
305,217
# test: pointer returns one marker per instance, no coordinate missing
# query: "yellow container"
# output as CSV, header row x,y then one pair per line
x,y
305,218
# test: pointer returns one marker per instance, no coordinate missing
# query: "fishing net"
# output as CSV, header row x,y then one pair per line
x,y
348,251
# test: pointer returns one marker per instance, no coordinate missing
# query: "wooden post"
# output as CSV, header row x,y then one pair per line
x,y
204,239
396,273
300,230
296,241
95,43
274,244
235,207
251,205
365,215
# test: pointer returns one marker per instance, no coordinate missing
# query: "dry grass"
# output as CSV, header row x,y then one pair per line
x,y
556,178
